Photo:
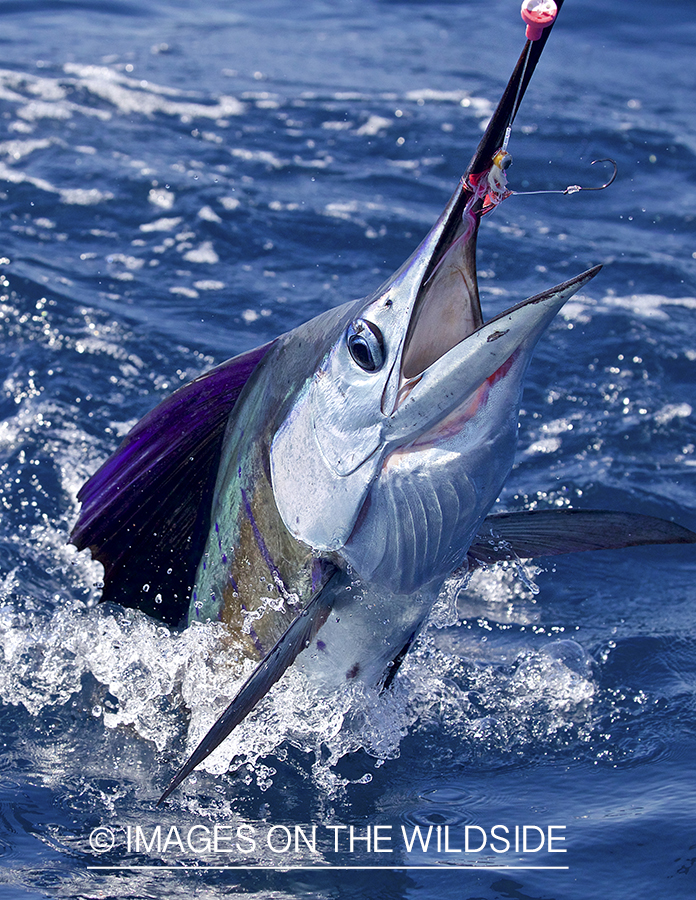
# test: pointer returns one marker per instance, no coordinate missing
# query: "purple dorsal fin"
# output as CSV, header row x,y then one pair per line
x,y
145,512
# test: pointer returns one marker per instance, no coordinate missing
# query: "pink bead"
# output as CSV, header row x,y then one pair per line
x,y
538,14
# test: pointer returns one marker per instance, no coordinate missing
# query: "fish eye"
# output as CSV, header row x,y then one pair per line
x,y
365,345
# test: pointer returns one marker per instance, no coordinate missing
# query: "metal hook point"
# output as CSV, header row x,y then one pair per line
x,y
574,188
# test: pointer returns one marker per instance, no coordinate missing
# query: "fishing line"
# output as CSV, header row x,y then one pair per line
x,y
538,15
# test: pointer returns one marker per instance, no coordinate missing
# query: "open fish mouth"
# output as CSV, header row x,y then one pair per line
x,y
455,374
447,308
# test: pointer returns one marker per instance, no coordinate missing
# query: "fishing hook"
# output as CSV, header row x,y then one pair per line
x,y
574,188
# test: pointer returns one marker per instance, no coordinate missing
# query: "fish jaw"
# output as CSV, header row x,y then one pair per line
x,y
455,376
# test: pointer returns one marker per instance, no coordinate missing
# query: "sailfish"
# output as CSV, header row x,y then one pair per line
x,y
363,449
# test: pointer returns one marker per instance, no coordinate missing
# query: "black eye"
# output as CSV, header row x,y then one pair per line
x,y
366,345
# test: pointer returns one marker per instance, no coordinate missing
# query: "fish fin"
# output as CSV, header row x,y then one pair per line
x,y
144,512
298,635
549,532
396,662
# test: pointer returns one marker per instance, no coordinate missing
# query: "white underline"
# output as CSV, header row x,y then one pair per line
x,y
281,868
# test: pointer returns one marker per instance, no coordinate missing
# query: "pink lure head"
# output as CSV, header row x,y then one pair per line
x,y
538,14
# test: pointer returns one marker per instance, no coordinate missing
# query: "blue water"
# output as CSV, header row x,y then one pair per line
x,y
182,181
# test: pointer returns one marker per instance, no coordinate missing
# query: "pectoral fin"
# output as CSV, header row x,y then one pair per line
x,y
550,532
298,636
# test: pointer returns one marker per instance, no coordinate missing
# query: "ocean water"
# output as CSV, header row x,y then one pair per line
x,y
182,181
